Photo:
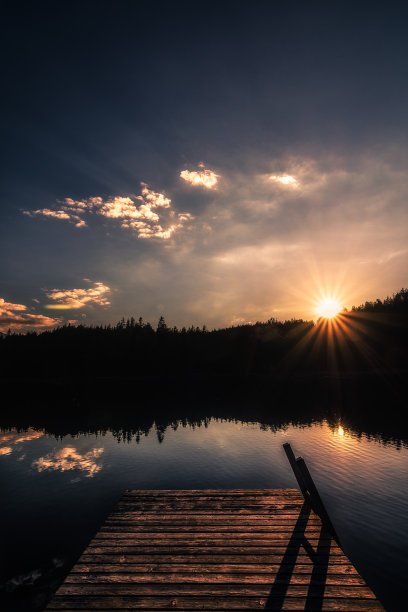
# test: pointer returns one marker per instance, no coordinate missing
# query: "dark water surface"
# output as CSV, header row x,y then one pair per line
x,y
57,489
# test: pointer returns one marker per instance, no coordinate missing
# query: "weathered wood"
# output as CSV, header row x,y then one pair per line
x,y
207,524
295,468
238,511
209,590
218,518
340,604
144,531
308,488
213,550
208,549
211,492
281,558
208,568
98,577
211,506
253,538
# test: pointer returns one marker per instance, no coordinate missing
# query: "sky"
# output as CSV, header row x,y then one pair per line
x,y
217,163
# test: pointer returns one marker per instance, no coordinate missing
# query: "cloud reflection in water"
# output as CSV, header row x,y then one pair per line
x,y
9,439
69,458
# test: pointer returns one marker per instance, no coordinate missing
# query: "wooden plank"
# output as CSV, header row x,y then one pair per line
x,y
215,603
112,604
264,578
237,494
210,568
186,539
207,549
206,525
245,558
143,531
224,514
194,492
262,512
196,536
227,499
225,590
218,519
232,506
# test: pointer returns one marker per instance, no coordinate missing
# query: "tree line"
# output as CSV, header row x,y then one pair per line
x,y
371,337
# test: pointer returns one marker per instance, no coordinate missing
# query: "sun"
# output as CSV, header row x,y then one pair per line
x,y
328,308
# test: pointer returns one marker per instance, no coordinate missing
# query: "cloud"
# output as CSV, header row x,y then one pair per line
x,y
70,458
149,215
62,213
203,177
285,179
14,317
78,298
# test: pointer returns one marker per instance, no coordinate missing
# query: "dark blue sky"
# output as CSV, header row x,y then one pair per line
x,y
99,97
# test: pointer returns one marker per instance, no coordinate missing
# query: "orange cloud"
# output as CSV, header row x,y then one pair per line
x,y
203,177
150,214
14,317
78,298
69,458
63,213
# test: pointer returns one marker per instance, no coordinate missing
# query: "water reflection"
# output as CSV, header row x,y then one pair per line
x,y
69,458
133,425
360,470
11,440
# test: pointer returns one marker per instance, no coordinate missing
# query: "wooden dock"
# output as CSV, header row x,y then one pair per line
x,y
214,550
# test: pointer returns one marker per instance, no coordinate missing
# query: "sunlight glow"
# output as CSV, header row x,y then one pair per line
x,y
328,308
286,179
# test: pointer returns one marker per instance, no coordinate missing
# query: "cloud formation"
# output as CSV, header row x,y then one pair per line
x,y
78,298
203,177
150,214
69,458
15,317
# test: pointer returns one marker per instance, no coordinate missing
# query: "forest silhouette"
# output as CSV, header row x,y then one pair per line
x,y
370,339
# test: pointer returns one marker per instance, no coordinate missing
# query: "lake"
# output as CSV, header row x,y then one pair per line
x,y
59,485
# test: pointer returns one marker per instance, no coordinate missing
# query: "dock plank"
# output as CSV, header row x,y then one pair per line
x,y
206,567
213,550
97,577
340,604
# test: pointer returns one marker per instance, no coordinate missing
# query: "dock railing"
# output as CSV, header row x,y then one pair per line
x,y
309,489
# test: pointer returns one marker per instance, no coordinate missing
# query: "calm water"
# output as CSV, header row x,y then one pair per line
x,y
56,491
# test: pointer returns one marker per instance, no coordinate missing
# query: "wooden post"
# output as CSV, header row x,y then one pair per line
x,y
309,489
298,475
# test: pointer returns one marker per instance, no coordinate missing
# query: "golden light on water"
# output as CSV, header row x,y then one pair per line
x,y
328,308
340,431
